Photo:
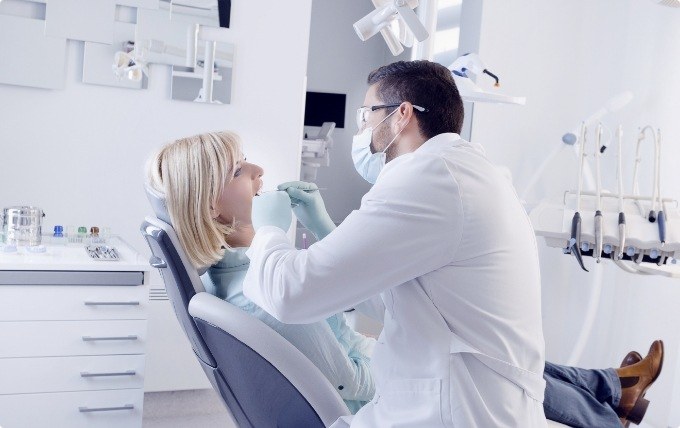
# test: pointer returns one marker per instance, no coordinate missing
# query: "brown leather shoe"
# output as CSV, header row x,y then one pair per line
x,y
631,358
635,381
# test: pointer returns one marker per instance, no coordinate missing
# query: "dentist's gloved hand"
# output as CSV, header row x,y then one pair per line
x,y
272,209
309,208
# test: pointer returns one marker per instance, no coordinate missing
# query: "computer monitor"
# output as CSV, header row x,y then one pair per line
x,y
323,107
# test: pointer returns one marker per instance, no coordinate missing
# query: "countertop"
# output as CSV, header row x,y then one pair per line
x,y
73,257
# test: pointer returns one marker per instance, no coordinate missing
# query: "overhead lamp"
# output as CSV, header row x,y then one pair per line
x,y
468,64
396,21
127,65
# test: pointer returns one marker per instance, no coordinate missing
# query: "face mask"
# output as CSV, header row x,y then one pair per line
x,y
369,164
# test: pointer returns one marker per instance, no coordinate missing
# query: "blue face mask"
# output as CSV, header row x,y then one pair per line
x,y
369,164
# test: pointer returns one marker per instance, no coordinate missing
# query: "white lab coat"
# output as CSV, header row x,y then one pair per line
x,y
444,241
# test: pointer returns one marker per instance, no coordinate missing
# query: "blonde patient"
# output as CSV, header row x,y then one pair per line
x,y
209,189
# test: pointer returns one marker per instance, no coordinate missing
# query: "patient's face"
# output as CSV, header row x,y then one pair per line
x,y
236,199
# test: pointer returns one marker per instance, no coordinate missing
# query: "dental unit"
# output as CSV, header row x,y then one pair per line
x,y
647,227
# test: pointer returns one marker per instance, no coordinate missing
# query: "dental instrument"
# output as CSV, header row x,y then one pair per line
x,y
661,216
569,139
622,215
574,244
598,212
657,161
304,190
661,220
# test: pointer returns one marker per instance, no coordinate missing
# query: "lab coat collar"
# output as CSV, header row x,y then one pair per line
x,y
439,142
448,140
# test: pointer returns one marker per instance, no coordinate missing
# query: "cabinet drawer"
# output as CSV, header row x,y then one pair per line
x,y
118,408
71,338
71,374
72,302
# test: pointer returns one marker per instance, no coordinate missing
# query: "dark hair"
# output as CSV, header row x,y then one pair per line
x,y
426,84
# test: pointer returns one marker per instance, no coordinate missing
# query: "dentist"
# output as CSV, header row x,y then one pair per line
x,y
440,251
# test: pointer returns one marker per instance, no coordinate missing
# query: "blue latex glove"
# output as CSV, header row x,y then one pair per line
x,y
309,208
272,209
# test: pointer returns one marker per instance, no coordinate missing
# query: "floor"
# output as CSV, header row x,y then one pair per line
x,y
199,409
185,409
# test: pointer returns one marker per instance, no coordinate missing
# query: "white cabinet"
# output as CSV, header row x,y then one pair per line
x,y
73,335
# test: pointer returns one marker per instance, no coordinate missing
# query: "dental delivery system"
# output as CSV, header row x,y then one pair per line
x,y
644,238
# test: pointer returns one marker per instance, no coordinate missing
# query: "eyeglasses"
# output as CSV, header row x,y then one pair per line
x,y
362,112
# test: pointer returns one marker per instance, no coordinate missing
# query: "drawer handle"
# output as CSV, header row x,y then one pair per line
x,y
105,409
126,373
129,337
131,303
157,262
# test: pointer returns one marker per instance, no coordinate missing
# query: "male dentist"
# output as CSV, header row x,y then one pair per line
x,y
442,244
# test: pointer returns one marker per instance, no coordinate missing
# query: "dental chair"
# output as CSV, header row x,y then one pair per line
x,y
262,379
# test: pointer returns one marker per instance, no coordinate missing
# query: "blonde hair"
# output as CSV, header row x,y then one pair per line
x,y
191,173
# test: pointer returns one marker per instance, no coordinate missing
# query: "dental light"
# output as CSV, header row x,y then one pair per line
x,y
396,21
469,90
129,65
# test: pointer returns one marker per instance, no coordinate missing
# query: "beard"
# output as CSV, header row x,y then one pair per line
x,y
381,138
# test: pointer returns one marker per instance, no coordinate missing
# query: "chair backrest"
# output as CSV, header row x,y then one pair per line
x,y
181,283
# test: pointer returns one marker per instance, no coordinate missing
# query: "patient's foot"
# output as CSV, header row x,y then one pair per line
x,y
631,358
635,380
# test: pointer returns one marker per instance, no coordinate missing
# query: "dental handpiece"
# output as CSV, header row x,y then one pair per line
x,y
574,245
598,235
661,219
622,233
598,213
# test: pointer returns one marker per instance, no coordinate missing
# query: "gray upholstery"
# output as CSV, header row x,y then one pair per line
x,y
277,351
263,379
181,283
157,202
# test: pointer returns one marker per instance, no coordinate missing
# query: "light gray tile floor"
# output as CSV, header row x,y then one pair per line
x,y
185,409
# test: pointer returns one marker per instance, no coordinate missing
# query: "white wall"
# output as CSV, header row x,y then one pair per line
x,y
79,153
569,58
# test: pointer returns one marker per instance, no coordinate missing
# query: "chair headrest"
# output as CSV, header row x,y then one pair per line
x,y
157,201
